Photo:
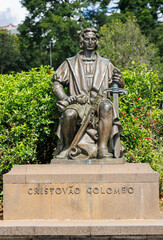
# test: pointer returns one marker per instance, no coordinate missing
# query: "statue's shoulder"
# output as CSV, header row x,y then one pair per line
x,y
72,59
104,60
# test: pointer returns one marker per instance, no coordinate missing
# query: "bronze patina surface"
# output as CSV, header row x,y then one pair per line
x,y
89,125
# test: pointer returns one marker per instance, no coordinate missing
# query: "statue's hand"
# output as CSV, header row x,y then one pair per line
x,y
71,99
117,77
82,99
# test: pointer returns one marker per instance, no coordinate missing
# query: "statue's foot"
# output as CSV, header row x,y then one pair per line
x,y
103,153
62,155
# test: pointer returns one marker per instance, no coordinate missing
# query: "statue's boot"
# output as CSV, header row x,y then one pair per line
x,y
103,153
68,130
104,129
62,155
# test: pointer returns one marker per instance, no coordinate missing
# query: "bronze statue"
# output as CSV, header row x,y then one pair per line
x,y
89,125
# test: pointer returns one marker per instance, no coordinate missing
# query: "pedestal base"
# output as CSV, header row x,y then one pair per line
x,y
82,230
95,161
81,192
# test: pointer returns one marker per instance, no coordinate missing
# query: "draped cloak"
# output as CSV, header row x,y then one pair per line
x,y
71,74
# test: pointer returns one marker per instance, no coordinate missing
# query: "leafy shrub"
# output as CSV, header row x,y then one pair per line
x,y
123,42
29,118
141,117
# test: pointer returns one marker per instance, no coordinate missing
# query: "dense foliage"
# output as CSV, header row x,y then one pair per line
x,y
52,27
149,15
147,12
141,117
60,21
56,24
29,118
124,43
10,57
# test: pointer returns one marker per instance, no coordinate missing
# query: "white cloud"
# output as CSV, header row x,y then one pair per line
x,y
6,17
11,11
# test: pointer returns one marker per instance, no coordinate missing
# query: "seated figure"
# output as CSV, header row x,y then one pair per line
x,y
87,76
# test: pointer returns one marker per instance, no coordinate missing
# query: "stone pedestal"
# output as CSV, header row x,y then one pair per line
x,y
81,191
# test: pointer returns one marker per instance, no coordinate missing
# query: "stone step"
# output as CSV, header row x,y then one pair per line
x,y
149,227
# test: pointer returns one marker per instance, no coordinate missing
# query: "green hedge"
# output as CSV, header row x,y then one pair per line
x,y
29,118
142,117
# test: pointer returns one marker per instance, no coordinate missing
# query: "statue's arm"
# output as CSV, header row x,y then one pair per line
x,y
58,91
60,80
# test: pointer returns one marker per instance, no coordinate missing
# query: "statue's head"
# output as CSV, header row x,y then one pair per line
x,y
89,39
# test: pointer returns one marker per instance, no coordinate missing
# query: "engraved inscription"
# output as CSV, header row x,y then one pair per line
x,y
71,190
59,190
109,190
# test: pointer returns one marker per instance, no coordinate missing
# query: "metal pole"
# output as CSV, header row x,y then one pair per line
x,y
51,53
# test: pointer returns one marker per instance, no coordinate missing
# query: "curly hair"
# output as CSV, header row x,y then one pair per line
x,y
81,37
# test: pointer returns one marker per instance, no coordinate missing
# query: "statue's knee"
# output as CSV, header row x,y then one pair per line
x,y
106,107
70,114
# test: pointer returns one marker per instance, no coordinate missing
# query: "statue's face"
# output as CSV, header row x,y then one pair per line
x,y
90,41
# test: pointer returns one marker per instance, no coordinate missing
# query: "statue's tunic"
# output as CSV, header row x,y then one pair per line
x,y
89,70
71,73
89,78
